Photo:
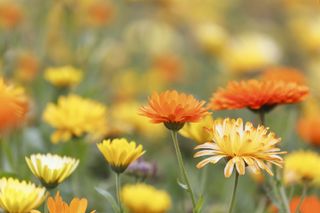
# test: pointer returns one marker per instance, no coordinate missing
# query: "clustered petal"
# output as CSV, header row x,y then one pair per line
x,y
256,95
286,74
65,76
51,169
242,145
120,153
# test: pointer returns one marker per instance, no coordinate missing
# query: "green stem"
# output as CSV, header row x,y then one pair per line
x,y
304,193
284,199
181,166
118,187
262,118
234,193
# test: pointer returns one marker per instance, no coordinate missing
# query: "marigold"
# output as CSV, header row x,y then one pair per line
x,y
310,204
57,205
173,109
199,131
242,145
136,198
74,116
257,95
51,169
14,105
65,76
120,153
11,14
20,196
285,74
302,166
308,129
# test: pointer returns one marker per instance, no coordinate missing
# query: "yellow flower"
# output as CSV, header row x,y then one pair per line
x,y
302,166
51,169
20,196
143,198
65,76
242,145
74,116
120,153
198,131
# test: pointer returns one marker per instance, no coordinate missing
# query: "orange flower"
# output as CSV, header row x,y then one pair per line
x,y
257,95
311,204
308,129
10,15
173,109
284,74
13,104
169,66
57,205
100,13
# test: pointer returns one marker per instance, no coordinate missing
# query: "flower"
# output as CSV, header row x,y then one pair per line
x,y
242,145
51,169
74,116
257,95
14,105
20,196
142,169
57,205
310,204
173,109
120,153
286,74
136,198
11,14
65,76
27,67
302,166
307,128
199,131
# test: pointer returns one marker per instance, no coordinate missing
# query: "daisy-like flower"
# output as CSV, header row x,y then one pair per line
x,y
137,199
173,109
120,153
74,116
51,169
242,145
65,76
14,105
257,95
302,167
199,131
20,196
285,74
57,205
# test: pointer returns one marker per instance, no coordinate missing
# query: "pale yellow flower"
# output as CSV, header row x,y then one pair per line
x,y
198,131
51,169
143,198
242,145
120,153
20,196
65,76
74,116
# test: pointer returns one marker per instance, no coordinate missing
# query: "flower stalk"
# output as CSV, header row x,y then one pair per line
x,y
235,186
118,187
304,193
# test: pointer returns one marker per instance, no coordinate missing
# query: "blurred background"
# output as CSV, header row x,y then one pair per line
x,y
128,48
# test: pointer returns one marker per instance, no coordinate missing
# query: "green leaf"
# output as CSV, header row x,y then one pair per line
x,y
109,197
199,204
182,185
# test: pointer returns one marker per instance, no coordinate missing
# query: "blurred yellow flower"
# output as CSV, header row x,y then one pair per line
x,y
74,116
20,196
302,166
120,153
242,145
143,198
65,76
199,131
57,205
125,119
51,169
14,105
250,52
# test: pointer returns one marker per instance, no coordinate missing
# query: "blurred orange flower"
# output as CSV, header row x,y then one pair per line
x,y
14,105
286,74
57,205
257,95
10,14
170,67
171,107
27,67
99,13
308,129
311,204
